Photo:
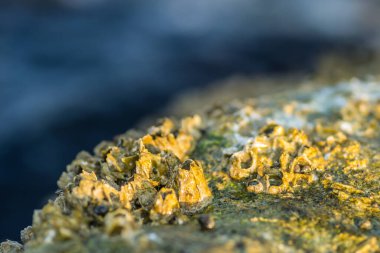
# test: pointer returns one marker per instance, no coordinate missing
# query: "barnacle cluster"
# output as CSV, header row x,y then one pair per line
x,y
151,176
277,160
289,173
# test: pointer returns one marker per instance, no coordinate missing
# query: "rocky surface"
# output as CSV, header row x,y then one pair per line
x,y
289,172
108,56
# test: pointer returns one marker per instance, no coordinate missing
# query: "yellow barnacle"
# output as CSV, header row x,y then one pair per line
x,y
128,191
180,142
146,162
193,193
242,164
112,159
166,204
90,187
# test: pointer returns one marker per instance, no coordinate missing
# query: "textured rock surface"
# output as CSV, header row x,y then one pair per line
x,y
290,172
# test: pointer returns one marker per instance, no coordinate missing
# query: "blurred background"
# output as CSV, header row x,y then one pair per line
x,y
75,72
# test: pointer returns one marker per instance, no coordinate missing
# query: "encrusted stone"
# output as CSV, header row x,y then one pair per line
x,y
294,172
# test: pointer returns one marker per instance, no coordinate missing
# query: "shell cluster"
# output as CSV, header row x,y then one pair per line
x,y
277,160
150,177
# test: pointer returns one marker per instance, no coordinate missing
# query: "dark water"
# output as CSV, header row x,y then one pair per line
x,y
76,72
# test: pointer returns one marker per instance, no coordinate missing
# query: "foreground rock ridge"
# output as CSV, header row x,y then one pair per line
x,y
293,172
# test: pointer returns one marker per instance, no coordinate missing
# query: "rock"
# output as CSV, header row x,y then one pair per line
x,y
296,171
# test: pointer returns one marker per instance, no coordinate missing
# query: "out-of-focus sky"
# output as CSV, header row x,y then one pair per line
x,y
74,72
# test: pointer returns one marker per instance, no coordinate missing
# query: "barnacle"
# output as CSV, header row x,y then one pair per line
x,y
90,187
243,164
194,193
180,142
166,204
